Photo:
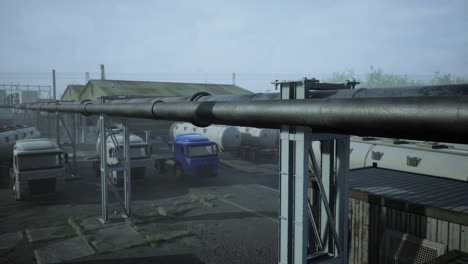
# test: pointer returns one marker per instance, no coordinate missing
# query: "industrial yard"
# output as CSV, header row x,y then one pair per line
x,y
170,192
193,222
236,132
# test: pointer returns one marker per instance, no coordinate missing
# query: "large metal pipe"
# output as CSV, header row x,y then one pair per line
x,y
423,118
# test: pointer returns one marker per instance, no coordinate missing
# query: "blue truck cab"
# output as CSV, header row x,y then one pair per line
x,y
196,156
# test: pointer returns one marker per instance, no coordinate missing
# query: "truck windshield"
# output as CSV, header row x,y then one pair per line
x,y
35,162
202,150
137,152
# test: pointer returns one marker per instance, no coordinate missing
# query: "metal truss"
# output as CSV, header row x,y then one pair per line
x,y
299,172
123,154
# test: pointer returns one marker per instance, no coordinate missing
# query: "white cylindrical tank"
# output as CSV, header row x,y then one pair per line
x,y
415,157
259,137
227,137
9,136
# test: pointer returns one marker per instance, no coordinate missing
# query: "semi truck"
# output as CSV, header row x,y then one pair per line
x,y
38,168
193,156
141,163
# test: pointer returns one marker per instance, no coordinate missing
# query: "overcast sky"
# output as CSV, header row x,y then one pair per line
x,y
206,41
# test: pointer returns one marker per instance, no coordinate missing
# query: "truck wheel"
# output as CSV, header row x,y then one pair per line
x,y
179,172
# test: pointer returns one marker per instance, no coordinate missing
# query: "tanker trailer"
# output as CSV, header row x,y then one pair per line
x,y
259,144
228,138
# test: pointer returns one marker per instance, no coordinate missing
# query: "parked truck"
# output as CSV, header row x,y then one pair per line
x,y
141,163
193,156
38,168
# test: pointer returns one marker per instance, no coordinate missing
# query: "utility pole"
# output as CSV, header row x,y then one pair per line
x,y
54,85
86,77
233,78
103,73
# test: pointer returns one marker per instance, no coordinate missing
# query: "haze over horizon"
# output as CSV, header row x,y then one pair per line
x,y
206,41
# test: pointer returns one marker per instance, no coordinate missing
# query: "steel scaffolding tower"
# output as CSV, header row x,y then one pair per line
x,y
298,169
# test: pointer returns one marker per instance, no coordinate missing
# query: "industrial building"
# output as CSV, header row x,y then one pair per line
x,y
98,88
138,89
390,210
72,92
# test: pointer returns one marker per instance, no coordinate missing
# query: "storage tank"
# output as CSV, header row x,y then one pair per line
x,y
10,134
439,160
259,137
227,137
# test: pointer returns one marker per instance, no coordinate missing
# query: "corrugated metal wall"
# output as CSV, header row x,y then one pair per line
x,y
367,223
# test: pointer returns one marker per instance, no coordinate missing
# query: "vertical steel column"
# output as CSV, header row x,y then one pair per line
x,y
147,136
301,180
83,128
57,125
74,117
126,170
328,170
36,123
103,166
294,178
342,194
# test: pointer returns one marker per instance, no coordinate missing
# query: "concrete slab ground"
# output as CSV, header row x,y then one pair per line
x,y
46,233
64,250
115,238
93,223
9,240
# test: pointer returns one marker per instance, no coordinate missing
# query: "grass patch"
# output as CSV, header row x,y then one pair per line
x,y
154,240
60,222
55,238
179,234
133,223
163,211
78,230
102,252
184,209
227,195
180,202
205,200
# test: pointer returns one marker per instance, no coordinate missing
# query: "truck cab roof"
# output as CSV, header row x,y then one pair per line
x,y
192,138
134,140
36,145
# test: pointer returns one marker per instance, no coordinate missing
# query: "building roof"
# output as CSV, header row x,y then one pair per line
x,y
427,191
72,92
37,144
96,88
452,257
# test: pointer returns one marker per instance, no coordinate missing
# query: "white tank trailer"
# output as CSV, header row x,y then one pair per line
x,y
227,137
258,144
429,158
9,135
259,137
246,142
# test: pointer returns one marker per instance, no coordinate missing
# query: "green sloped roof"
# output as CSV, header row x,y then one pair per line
x,y
139,88
73,91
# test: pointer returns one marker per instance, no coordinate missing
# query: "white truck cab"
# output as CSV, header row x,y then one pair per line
x,y
141,163
38,168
